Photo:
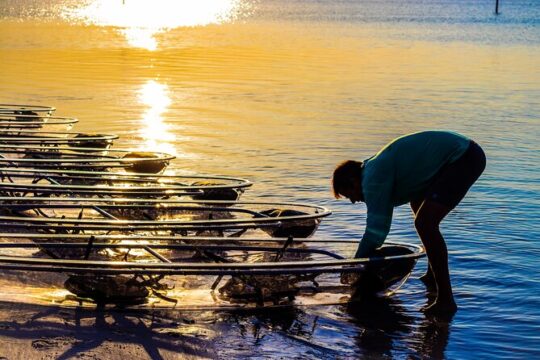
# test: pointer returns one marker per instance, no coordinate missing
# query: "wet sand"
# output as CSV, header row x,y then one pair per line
x,y
34,332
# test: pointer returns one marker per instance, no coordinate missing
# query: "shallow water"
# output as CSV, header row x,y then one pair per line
x,y
279,92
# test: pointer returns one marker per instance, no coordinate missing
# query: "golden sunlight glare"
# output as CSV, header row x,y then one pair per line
x,y
141,20
156,133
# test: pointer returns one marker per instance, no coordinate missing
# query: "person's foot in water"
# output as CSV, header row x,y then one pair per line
x,y
429,280
440,307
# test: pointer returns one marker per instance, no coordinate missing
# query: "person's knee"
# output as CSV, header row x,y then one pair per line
x,y
430,216
425,224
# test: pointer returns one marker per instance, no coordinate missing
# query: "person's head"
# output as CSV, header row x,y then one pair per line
x,y
347,181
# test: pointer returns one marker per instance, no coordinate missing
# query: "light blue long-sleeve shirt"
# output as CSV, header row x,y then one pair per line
x,y
400,172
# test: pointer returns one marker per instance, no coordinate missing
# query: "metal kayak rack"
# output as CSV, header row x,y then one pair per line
x,y
82,158
314,260
37,137
21,109
159,215
13,124
17,182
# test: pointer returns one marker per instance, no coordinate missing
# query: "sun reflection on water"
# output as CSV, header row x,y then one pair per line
x,y
141,20
155,131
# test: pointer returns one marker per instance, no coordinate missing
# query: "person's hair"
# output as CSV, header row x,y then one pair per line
x,y
344,176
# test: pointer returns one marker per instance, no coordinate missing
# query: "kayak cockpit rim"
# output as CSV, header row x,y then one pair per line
x,y
12,108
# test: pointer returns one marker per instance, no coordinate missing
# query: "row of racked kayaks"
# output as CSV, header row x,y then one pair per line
x,y
23,109
119,215
82,158
13,125
117,225
40,182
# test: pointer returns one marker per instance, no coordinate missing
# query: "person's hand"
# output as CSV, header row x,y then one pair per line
x,y
365,250
350,278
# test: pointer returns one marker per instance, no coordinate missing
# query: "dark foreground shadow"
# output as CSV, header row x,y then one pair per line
x,y
287,332
387,327
380,321
378,327
371,328
82,331
434,338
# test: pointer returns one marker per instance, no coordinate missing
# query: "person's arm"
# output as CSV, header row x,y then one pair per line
x,y
378,198
377,228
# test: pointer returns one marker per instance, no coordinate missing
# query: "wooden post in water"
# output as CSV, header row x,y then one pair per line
x,y
496,7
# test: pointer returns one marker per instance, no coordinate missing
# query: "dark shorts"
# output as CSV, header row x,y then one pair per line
x,y
454,180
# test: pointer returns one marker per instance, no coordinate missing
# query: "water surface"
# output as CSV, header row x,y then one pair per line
x,y
281,91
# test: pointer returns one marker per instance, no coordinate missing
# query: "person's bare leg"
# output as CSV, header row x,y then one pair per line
x,y
427,221
428,278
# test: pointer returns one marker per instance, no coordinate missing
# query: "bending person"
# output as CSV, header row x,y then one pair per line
x,y
431,170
